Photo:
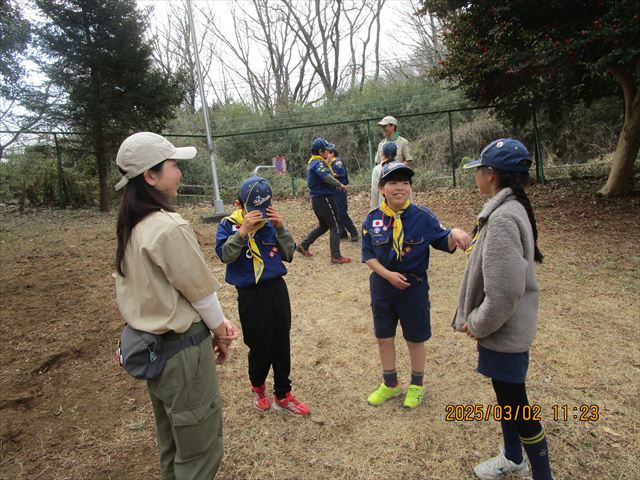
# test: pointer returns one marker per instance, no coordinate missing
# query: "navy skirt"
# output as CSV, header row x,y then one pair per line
x,y
506,367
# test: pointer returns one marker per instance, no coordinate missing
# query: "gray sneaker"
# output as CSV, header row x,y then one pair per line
x,y
499,467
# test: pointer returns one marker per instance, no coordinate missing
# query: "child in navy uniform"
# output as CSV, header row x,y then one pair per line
x,y
253,242
395,244
340,172
498,303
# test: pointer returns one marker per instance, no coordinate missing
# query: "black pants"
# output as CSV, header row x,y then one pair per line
x,y
327,212
265,316
514,395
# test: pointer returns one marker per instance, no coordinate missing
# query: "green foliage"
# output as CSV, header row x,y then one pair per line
x,y
549,52
16,35
32,177
96,54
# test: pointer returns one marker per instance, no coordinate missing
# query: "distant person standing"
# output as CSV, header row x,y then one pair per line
x,y
340,172
322,188
389,128
389,152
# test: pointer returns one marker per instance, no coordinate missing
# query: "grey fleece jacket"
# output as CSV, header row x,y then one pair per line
x,y
499,293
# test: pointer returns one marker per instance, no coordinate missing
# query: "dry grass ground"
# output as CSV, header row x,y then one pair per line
x,y
67,411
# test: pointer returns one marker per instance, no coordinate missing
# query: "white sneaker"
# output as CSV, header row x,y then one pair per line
x,y
499,467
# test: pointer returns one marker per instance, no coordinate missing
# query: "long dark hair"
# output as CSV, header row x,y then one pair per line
x,y
517,181
139,200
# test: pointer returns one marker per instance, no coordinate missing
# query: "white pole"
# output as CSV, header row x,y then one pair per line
x,y
218,206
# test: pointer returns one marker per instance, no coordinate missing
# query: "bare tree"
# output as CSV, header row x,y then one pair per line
x,y
285,51
423,35
173,48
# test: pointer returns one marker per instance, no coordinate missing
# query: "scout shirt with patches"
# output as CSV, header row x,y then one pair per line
x,y
320,179
421,229
165,273
340,171
275,245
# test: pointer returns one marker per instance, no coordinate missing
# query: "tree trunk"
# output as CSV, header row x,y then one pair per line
x,y
629,141
103,164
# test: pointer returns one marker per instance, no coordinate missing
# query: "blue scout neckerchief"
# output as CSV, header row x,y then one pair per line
x,y
237,218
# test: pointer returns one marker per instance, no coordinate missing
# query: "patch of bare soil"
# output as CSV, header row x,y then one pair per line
x,y
68,412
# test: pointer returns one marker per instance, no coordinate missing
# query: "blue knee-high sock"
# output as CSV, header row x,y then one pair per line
x,y
390,377
538,453
512,445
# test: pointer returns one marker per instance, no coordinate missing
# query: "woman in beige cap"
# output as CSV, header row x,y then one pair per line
x,y
164,287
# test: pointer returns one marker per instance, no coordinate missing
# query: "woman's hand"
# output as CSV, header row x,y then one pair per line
x,y
222,343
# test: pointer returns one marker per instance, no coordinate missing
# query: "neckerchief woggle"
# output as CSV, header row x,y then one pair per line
x,y
323,160
398,231
237,218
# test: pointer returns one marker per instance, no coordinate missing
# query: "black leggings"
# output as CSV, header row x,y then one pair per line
x,y
515,395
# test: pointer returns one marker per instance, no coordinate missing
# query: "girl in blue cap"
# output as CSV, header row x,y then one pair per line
x,y
498,303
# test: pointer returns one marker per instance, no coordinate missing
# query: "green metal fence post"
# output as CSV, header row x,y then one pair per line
x,y
370,142
453,165
290,163
536,146
61,186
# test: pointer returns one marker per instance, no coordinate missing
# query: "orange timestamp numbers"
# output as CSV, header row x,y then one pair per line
x,y
479,413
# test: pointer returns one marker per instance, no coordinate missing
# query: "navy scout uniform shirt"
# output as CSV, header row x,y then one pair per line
x,y
421,229
316,172
240,273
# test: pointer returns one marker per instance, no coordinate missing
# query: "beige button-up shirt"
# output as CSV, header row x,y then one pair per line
x,y
165,272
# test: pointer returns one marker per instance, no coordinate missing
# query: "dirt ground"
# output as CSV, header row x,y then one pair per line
x,y
68,412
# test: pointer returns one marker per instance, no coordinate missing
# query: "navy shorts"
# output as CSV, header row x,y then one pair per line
x,y
410,306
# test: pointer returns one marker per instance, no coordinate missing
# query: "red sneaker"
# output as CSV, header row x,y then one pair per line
x,y
290,405
304,251
260,399
341,260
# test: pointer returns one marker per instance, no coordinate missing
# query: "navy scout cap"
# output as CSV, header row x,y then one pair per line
x,y
320,143
255,194
503,154
395,167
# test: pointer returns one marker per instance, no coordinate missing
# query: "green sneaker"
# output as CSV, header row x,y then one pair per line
x,y
383,393
415,396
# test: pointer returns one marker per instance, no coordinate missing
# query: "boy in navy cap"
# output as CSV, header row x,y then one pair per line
x,y
322,187
395,244
253,243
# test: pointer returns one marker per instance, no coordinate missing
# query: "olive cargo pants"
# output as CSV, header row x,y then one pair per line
x,y
187,408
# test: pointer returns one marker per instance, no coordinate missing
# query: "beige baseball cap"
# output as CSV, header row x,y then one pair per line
x,y
388,120
143,150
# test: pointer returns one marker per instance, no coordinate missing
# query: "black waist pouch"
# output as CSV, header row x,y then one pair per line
x,y
143,355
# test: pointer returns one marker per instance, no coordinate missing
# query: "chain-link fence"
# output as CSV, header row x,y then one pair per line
x,y
53,168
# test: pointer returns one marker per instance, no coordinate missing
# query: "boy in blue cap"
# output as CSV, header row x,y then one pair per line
x,y
253,243
322,188
498,303
395,244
